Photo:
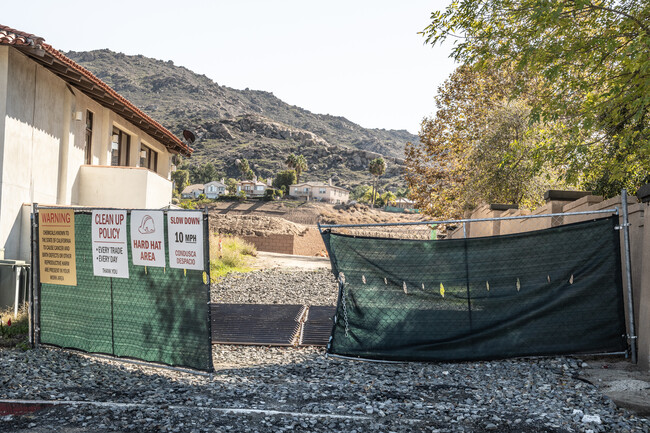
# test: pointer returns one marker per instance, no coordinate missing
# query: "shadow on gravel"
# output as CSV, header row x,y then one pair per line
x,y
308,391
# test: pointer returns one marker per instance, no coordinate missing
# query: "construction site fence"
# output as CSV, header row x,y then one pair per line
x,y
403,296
157,314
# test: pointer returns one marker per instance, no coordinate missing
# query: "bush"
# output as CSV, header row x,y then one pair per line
x,y
14,330
187,204
228,197
270,194
234,255
241,195
284,179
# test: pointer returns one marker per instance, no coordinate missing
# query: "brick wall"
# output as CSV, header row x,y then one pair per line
x,y
309,243
272,243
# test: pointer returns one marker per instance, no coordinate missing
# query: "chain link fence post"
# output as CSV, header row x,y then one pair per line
x,y
628,277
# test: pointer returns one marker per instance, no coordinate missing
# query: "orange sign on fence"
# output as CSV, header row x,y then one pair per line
x,y
57,256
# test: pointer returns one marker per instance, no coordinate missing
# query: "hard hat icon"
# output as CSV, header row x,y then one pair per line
x,y
147,226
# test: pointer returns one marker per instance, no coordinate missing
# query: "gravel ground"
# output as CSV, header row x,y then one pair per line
x,y
281,389
262,389
277,286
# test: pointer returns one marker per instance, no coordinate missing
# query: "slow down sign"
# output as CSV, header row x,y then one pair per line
x,y
185,237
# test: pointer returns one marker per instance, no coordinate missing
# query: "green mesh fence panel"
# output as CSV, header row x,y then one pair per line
x,y
548,292
160,315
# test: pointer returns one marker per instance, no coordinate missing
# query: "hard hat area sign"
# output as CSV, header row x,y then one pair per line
x,y
185,238
110,249
148,238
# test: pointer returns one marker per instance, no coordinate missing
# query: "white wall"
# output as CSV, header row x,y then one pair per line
x,y
32,140
139,187
42,148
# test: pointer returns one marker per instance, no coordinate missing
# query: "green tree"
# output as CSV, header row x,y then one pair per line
x,y
592,61
291,161
231,186
377,167
300,166
386,199
244,169
297,163
362,194
204,173
181,179
478,148
284,178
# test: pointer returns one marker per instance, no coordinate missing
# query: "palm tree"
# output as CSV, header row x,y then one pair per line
x,y
300,166
377,167
291,161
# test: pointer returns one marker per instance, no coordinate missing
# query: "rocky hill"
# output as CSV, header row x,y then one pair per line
x,y
232,124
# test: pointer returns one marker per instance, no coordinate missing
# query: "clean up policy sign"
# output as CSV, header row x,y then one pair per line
x,y
148,238
185,238
110,254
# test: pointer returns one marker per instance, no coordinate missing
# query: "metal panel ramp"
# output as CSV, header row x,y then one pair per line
x,y
273,325
318,324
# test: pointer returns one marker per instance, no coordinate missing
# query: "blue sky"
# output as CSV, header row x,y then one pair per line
x,y
360,59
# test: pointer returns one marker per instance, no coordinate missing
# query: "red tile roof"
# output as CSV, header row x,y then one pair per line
x,y
36,48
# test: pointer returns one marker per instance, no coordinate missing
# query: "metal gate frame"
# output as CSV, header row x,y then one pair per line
x,y
624,225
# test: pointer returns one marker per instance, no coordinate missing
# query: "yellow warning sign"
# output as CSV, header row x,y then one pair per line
x,y
56,247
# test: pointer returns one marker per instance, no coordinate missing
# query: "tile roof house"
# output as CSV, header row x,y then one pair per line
x,y
404,203
252,188
192,191
67,138
320,191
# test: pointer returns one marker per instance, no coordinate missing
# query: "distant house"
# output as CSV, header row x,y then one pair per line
x,y
68,139
214,189
404,203
320,191
252,188
192,191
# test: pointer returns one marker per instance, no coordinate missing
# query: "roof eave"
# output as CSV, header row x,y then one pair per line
x,y
83,80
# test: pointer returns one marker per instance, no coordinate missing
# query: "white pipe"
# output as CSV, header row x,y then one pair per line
x,y
233,410
17,270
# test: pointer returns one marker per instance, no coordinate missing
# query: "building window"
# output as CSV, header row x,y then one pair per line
x,y
120,150
88,155
322,191
148,158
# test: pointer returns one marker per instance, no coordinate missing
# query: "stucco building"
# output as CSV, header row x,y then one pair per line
x,y
67,138
252,188
215,188
320,191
